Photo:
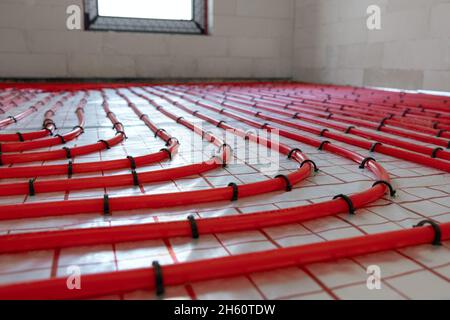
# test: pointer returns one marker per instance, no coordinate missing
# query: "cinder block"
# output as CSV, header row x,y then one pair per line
x,y
404,79
20,65
440,20
198,46
12,40
437,80
225,7
254,47
279,9
101,66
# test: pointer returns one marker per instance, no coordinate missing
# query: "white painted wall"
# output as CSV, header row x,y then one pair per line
x,y
250,39
411,51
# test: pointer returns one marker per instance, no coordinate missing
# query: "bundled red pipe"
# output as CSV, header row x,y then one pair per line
x,y
395,152
117,282
62,139
30,210
355,131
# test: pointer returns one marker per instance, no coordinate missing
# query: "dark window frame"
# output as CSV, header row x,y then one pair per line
x,y
198,25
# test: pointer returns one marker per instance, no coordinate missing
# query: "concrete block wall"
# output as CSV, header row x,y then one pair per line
x,y
249,39
332,43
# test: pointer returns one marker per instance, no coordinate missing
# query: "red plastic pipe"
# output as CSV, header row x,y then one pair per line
x,y
118,282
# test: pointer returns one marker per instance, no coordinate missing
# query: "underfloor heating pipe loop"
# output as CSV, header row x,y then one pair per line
x,y
119,282
66,153
395,152
365,134
23,242
115,180
16,118
373,123
60,208
56,140
15,100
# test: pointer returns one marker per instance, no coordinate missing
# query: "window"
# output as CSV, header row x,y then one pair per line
x,y
166,16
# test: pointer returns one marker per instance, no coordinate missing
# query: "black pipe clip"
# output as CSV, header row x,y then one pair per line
x,y
142,116
159,281
106,206
158,131
292,152
63,141
374,146
323,144
106,143
194,227
351,208
220,123
132,162
135,178
323,132
79,127
286,179
168,152
347,131
435,151
392,191
437,241
31,190
316,169
21,139
364,162
235,191
69,169
68,152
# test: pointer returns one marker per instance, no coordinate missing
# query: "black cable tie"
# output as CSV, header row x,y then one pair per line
x,y
437,241
132,162
323,144
392,191
13,119
168,152
439,134
351,208
79,127
194,227
116,124
295,116
135,178
20,135
235,191
286,179
364,162
169,141
142,115
63,141
82,110
435,151
69,169
31,190
220,123
106,206
292,152
405,112
316,169
222,110
257,114
106,143
448,145
1,160
323,132
47,122
122,133
33,108
195,113
109,113
159,282
374,146
179,119
347,131
158,131
265,125
68,152
329,116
